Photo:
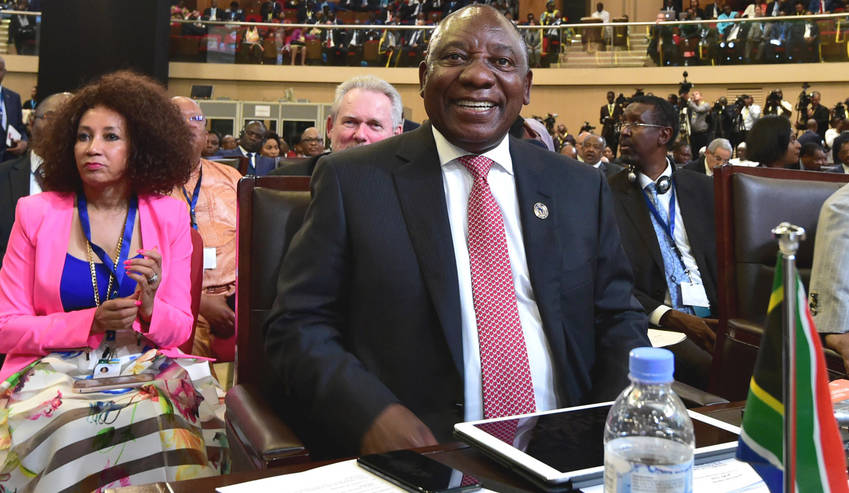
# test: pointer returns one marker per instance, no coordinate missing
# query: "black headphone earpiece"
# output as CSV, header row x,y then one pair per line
x,y
663,184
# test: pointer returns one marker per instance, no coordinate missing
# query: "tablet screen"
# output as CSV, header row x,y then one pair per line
x,y
573,440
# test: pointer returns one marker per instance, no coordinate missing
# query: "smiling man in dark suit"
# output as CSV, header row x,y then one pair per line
x,y
387,327
666,220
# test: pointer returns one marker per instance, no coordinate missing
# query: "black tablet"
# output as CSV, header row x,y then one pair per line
x,y
564,448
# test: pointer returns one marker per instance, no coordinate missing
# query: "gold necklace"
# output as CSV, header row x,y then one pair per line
x,y
111,275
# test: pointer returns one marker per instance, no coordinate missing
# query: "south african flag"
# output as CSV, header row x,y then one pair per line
x,y
820,463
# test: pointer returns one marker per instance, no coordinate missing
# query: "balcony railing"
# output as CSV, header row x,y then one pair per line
x,y
352,41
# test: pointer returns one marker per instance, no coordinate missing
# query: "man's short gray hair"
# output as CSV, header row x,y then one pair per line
x,y
374,84
719,144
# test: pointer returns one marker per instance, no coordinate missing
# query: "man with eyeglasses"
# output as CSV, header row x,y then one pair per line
x,y
666,221
717,153
21,176
210,196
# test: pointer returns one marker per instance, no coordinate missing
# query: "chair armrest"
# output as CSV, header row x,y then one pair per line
x,y
694,397
745,331
261,431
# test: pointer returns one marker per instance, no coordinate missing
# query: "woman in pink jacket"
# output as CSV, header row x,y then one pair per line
x,y
95,285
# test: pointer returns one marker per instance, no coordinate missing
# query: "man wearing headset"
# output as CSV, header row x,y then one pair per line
x,y
666,220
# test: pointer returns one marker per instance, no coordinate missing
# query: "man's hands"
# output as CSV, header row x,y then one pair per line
x,y
840,343
396,427
115,314
702,331
18,147
222,320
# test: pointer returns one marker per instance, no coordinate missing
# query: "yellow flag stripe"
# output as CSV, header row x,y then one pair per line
x,y
775,298
767,399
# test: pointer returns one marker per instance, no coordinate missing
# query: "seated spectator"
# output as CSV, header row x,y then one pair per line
x,y
840,152
270,146
284,147
810,135
717,153
591,153
210,195
771,143
740,157
249,143
311,142
228,143
837,125
365,110
212,144
100,262
681,153
812,157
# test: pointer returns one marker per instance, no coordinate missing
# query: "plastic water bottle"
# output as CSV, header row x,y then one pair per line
x,y
648,436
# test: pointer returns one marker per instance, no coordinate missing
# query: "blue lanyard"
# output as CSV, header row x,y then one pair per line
x,y
193,201
669,229
82,206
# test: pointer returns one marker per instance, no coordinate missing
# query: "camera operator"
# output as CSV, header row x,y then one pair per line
x,y
777,105
810,108
749,114
699,129
721,118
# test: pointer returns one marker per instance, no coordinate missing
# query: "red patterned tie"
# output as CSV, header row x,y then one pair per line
x,y
506,375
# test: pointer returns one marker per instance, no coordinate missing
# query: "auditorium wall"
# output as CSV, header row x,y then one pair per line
x,y
574,94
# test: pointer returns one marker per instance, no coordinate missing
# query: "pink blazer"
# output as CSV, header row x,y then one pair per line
x,y
32,320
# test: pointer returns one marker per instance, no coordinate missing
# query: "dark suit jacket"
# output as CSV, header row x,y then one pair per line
x,y
14,117
697,165
14,184
610,169
694,196
368,311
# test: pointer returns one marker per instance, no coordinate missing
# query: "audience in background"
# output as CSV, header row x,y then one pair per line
x,y
13,116
811,157
270,145
210,195
228,143
717,153
681,153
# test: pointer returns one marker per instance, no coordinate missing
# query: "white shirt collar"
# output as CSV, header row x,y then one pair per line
x,y
597,165
645,180
34,161
449,152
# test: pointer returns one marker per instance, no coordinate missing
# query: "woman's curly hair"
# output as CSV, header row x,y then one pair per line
x,y
159,157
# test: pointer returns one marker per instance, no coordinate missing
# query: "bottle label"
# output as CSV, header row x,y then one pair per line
x,y
647,478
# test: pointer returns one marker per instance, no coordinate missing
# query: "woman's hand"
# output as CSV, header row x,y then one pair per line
x,y
116,314
147,272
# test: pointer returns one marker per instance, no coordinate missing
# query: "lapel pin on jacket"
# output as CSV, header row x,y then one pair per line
x,y
540,210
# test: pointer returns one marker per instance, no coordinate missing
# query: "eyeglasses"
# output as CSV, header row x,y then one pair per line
x,y
311,139
196,118
631,125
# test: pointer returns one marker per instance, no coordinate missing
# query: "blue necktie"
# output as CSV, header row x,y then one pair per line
x,y
673,265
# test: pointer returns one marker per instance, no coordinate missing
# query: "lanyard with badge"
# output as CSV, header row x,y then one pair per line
x,y
193,200
107,366
692,293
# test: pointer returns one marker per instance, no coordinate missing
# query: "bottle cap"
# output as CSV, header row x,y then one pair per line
x,y
651,365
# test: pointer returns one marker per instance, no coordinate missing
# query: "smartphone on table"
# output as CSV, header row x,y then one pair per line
x,y
415,472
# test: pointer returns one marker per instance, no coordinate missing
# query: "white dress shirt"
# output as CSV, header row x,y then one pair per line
x,y
35,161
457,182
681,241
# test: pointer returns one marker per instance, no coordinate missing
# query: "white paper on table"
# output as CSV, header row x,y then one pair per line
x,y
663,338
344,476
727,476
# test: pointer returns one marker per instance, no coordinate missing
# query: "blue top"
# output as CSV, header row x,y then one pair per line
x,y
75,288
651,365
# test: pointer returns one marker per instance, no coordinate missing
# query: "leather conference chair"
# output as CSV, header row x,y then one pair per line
x,y
271,210
196,274
749,203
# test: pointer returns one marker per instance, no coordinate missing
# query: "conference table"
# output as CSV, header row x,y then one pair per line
x,y
455,454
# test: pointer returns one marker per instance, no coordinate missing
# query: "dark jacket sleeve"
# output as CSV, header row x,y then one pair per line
x,y
305,330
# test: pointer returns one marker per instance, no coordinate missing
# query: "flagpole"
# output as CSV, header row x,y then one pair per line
x,y
789,236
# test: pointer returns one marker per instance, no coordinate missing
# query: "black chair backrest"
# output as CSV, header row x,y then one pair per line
x,y
761,203
271,210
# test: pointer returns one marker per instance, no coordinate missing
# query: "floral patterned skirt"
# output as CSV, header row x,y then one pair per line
x,y
54,439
